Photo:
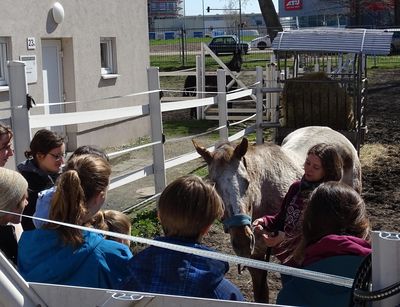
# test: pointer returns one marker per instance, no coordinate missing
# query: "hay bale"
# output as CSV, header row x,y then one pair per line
x,y
317,100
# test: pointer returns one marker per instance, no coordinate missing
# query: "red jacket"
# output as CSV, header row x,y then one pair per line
x,y
336,245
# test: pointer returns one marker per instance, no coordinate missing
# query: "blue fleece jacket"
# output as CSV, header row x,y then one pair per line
x,y
43,204
98,263
159,270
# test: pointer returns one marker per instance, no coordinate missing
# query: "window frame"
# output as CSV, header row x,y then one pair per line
x,y
4,47
110,66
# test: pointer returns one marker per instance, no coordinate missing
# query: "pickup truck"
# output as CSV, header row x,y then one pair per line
x,y
228,44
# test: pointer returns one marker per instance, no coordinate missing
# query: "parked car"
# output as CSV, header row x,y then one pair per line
x,y
261,42
228,44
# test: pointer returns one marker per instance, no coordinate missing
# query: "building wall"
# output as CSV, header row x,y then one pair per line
x,y
311,13
84,24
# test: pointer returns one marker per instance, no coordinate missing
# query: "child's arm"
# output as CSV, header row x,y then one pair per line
x,y
272,223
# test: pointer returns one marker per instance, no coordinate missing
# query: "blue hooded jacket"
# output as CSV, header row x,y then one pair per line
x,y
43,204
164,271
97,263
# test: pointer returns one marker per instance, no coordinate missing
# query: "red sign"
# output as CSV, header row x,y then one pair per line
x,y
291,5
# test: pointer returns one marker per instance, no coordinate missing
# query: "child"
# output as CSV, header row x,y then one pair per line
x,y
44,197
186,210
42,167
334,240
323,163
64,255
6,150
114,221
14,195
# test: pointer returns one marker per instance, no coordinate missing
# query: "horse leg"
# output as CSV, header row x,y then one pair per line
x,y
259,277
260,285
189,91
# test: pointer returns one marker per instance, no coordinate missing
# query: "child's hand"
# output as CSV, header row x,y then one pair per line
x,y
273,239
258,222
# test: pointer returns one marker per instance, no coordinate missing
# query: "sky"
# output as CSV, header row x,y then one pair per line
x,y
194,7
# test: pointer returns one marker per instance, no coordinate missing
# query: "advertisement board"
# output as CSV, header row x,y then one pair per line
x,y
298,8
291,5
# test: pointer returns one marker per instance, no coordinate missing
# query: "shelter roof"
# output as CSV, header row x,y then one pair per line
x,y
337,40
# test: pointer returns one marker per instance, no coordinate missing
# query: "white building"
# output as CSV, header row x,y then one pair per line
x,y
99,49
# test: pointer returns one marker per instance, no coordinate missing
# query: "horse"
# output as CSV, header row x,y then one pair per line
x,y
235,64
253,180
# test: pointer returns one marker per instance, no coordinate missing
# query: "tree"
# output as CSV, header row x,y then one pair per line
x,y
271,17
268,11
396,12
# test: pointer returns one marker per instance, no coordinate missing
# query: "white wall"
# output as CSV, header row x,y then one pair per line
x,y
85,22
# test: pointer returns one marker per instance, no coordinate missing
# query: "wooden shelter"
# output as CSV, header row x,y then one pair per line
x,y
324,71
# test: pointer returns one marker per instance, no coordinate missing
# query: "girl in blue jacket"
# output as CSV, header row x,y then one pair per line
x,y
64,255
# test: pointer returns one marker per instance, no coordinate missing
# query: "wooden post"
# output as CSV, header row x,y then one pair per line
x,y
259,105
222,106
156,130
203,79
19,112
199,85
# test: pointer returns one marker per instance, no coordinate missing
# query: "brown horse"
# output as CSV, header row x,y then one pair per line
x,y
252,181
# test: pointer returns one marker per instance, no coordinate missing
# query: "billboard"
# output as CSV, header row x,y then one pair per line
x,y
291,5
293,8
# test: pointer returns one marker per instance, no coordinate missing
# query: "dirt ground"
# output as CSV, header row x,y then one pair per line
x,y
380,158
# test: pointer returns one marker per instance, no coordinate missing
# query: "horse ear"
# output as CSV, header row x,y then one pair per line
x,y
202,151
241,149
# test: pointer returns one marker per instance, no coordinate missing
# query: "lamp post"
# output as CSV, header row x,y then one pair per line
x,y
240,21
204,24
237,9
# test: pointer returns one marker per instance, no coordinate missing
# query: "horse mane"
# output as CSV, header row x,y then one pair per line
x,y
224,151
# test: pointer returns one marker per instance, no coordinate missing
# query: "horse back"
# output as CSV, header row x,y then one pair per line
x,y
301,140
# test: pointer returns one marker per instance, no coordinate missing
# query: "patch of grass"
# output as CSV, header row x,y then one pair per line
x,y
146,225
174,62
188,127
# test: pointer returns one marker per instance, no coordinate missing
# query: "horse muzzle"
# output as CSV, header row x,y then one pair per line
x,y
242,237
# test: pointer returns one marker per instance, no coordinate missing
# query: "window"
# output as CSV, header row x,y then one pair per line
x,y
108,56
3,61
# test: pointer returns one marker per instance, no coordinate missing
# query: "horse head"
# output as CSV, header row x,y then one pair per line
x,y
227,167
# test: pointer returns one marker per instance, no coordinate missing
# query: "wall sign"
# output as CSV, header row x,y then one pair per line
x,y
30,43
30,67
291,5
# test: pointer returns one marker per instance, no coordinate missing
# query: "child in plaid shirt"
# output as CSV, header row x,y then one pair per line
x,y
186,209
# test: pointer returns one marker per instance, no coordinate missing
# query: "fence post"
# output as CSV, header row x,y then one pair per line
x,y
203,79
222,107
19,111
199,85
156,129
259,105
385,264
183,35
